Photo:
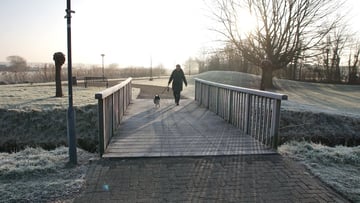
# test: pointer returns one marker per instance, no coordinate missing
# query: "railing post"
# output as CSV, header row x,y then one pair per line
x,y
198,89
101,126
230,106
207,96
276,122
112,119
201,96
217,100
247,113
129,93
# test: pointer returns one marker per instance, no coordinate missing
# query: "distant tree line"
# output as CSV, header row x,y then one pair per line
x,y
16,64
17,71
228,59
323,67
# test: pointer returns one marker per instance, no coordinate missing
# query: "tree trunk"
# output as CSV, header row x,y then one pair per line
x,y
266,78
294,70
59,59
59,92
352,75
266,74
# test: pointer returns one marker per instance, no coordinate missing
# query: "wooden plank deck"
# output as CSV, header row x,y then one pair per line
x,y
184,130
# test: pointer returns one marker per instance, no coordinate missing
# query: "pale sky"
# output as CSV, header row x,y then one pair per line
x,y
128,32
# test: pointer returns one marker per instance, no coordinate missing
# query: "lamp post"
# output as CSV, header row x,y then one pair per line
x,y
103,71
70,112
151,77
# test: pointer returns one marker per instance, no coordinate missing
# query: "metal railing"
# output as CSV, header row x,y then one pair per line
x,y
255,112
112,104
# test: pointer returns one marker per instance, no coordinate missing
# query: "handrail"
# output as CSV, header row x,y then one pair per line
x,y
112,104
255,112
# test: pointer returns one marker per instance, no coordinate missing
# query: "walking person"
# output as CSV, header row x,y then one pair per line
x,y
178,78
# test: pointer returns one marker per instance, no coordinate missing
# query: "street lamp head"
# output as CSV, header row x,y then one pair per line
x,y
102,55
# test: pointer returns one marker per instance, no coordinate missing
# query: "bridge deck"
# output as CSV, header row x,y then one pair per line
x,y
185,130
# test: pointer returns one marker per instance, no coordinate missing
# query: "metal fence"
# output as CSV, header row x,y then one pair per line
x,y
112,104
255,112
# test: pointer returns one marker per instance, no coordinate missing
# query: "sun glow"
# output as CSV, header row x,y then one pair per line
x,y
247,23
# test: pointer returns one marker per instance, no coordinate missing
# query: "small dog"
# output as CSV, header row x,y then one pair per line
x,y
157,100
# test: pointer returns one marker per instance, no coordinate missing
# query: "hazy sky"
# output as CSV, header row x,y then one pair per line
x,y
128,32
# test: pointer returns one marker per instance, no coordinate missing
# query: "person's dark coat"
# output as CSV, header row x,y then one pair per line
x,y
177,77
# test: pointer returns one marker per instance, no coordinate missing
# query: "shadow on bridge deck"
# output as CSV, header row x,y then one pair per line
x,y
184,130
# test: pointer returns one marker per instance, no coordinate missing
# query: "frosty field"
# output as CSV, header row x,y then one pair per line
x,y
30,115
37,175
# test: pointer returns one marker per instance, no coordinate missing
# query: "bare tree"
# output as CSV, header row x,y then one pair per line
x,y
353,65
59,59
335,43
191,66
284,30
17,63
339,42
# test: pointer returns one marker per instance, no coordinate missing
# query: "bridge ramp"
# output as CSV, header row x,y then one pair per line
x,y
172,131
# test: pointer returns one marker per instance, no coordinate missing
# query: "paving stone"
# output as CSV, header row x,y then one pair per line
x,y
205,179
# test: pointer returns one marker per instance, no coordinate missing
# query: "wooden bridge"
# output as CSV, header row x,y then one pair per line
x,y
222,120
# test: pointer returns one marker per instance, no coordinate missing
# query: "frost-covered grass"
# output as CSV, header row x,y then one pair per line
x,y
37,175
31,115
303,96
41,96
337,166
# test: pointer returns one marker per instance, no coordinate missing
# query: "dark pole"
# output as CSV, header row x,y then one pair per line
x,y
70,113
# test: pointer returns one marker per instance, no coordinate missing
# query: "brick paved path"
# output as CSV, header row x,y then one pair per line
x,y
255,178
